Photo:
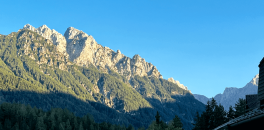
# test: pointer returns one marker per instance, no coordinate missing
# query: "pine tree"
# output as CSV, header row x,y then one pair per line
x,y
220,116
177,122
68,125
75,123
207,116
163,125
130,127
231,113
240,107
40,124
141,128
15,127
197,124
7,124
24,125
213,114
91,127
62,126
157,118
81,126
1,127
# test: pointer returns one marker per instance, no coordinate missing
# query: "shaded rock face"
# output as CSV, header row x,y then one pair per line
x,y
231,94
83,50
201,98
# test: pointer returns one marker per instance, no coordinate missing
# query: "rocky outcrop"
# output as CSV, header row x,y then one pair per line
x,y
82,49
231,94
178,83
56,38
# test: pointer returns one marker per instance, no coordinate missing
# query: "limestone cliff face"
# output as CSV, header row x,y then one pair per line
x,y
56,38
82,49
178,83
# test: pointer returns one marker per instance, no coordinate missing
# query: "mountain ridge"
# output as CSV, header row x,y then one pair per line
x,y
32,63
231,94
79,46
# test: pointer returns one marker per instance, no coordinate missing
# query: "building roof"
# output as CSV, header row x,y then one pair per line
x,y
247,116
252,101
261,62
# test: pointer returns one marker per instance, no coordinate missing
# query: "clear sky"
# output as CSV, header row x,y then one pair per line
x,y
207,45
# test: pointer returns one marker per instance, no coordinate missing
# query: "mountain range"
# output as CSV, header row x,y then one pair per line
x,y
46,69
231,94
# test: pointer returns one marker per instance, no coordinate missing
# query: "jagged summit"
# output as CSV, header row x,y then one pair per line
x,y
83,50
178,83
255,80
56,38
231,94
72,33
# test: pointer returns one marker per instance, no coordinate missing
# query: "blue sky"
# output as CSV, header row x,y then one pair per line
x,y
207,45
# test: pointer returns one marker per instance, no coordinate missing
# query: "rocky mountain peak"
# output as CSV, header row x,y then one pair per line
x,y
118,52
178,83
255,80
29,27
231,94
56,38
83,50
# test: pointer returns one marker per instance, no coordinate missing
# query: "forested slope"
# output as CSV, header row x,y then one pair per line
x,y
33,72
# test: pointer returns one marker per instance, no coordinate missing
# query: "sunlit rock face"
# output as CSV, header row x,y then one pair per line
x,y
83,50
56,38
178,83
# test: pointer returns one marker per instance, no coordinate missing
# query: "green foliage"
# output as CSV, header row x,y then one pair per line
x,y
240,107
158,124
231,113
177,122
35,119
24,79
215,115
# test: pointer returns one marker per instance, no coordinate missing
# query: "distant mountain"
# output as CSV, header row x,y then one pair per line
x,y
201,98
43,68
231,95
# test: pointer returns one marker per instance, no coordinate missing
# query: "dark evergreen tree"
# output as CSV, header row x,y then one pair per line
x,y
75,123
212,114
206,116
91,127
7,124
197,121
240,107
130,127
103,126
68,125
15,127
220,116
177,122
231,113
141,128
40,124
157,118
81,126
24,125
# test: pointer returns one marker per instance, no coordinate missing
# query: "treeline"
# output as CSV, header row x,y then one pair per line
x,y
215,115
16,116
158,124
23,117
